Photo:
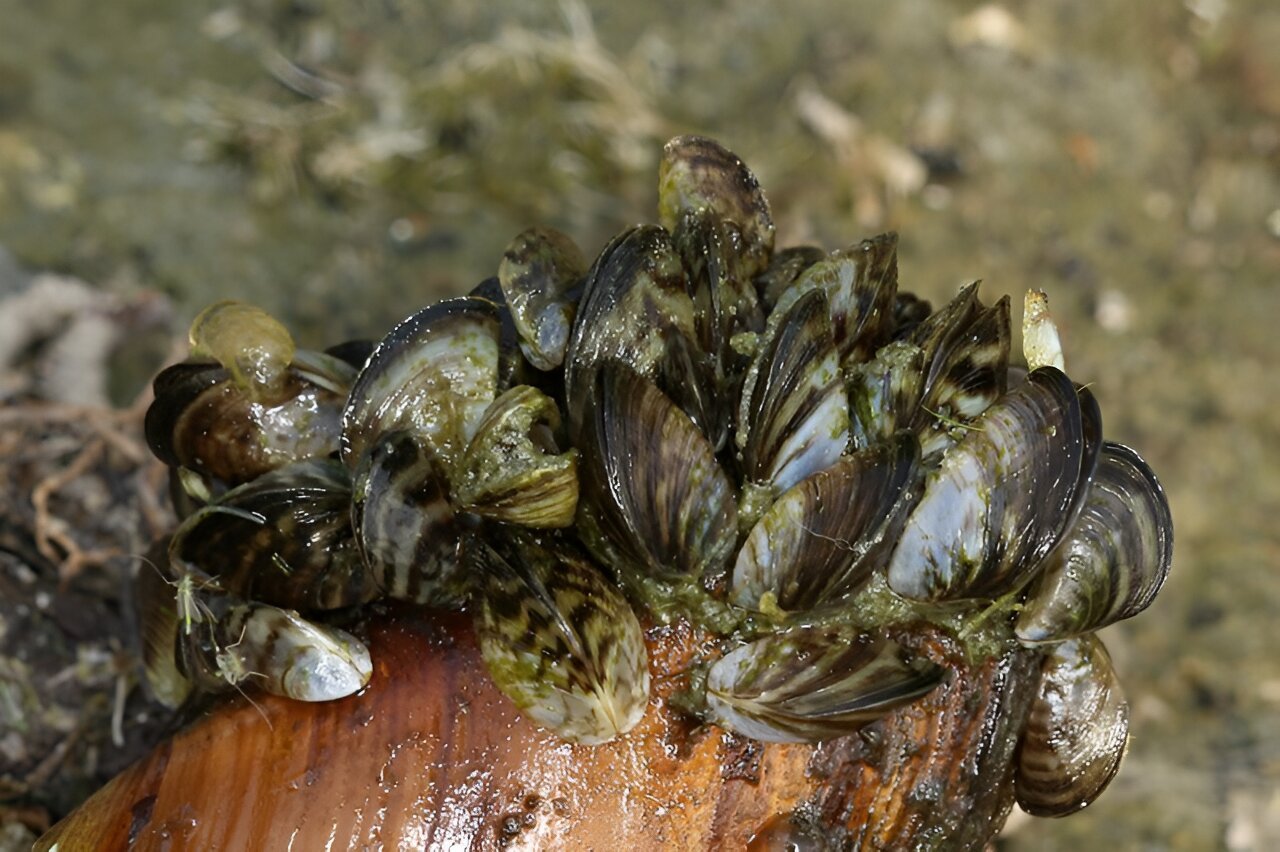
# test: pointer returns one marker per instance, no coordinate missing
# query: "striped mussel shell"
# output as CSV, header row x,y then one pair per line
x,y
813,683
793,418
539,273
636,310
653,482
513,469
284,538
1114,559
704,374
559,639
779,452
1076,732
821,541
405,524
699,174
861,284
275,649
1003,496
941,373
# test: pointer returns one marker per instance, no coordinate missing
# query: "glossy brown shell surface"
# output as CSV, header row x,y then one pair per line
x,y
431,755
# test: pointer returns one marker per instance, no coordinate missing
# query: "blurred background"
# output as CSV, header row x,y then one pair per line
x,y
342,164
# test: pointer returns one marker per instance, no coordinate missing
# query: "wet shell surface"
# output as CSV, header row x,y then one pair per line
x,y
710,545
458,766
1076,733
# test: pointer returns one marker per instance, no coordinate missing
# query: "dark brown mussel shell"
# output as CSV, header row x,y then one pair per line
x,y
1076,732
204,421
704,379
634,305
653,482
1114,559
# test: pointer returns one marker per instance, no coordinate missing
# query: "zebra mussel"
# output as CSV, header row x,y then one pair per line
x,y
779,448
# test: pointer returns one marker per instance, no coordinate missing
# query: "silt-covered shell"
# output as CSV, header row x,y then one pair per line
x,y
539,269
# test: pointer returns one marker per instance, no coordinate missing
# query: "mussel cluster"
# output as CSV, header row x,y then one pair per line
x,y
776,446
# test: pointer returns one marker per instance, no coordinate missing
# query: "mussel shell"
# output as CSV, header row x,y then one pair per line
x,y
512,470
203,420
513,369
821,540
404,523
285,538
1002,497
697,173
936,379
653,480
432,755
966,355
809,684
157,611
538,270
634,303
909,310
793,419
861,284
724,298
1076,733
559,640
785,267
434,375
276,649
253,346
725,305
1114,559
884,393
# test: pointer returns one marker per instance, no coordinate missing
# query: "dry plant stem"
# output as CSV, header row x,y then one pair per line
x,y
114,430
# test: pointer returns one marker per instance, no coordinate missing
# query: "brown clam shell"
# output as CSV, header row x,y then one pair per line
x,y
431,755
